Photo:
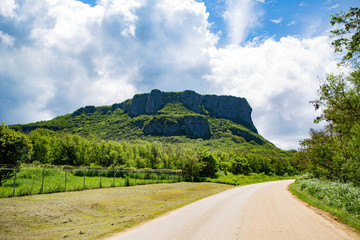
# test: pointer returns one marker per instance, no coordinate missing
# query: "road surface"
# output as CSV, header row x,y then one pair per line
x,y
259,211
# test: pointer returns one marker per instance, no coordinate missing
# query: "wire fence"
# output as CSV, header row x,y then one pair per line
x,y
22,182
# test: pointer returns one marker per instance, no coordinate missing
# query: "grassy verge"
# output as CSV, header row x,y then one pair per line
x,y
94,214
245,179
341,200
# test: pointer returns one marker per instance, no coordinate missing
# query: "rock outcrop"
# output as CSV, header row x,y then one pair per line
x,y
233,108
190,126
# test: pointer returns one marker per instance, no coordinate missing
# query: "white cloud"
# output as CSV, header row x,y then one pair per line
x,y
334,6
240,17
304,4
7,39
278,79
69,54
276,21
7,8
291,23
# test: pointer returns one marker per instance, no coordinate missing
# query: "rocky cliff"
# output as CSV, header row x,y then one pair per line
x,y
190,126
235,109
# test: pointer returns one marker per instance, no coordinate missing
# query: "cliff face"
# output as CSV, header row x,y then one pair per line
x,y
228,107
190,126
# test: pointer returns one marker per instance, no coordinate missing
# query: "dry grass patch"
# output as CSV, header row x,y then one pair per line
x,y
94,214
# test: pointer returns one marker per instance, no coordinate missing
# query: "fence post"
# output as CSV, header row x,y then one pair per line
x,y
84,180
14,183
100,178
65,178
114,179
42,183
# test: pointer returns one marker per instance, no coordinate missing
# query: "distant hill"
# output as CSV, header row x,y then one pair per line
x,y
162,115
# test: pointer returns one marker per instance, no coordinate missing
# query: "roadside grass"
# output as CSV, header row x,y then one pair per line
x,y
29,182
339,199
94,214
241,179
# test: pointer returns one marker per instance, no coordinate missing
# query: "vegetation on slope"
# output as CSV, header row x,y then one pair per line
x,y
108,137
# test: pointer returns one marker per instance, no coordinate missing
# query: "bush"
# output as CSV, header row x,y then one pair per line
x,y
339,195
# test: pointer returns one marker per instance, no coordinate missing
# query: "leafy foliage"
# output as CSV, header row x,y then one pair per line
x,y
15,148
333,153
339,195
347,37
194,157
339,100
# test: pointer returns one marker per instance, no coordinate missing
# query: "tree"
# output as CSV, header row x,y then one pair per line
x,y
347,37
210,165
333,152
15,148
339,100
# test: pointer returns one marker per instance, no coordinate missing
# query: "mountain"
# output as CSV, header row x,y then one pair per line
x,y
163,115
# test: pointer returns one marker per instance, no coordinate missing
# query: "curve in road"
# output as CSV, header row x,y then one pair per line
x,y
258,211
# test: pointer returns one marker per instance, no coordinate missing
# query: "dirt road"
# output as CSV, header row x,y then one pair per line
x,y
259,211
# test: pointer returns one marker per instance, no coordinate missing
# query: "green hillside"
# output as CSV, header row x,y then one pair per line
x,y
112,123
198,134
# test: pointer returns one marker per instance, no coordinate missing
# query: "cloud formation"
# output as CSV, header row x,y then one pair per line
x,y
278,78
240,17
59,55
68,54
276,21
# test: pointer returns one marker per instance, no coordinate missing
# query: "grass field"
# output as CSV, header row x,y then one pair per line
x,y
35,181
339,199
94,214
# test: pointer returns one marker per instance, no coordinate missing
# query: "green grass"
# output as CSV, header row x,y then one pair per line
x,y
245,179
339,199
29,182
94,214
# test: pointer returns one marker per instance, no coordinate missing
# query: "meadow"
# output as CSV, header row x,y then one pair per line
x,y
38,181
96,213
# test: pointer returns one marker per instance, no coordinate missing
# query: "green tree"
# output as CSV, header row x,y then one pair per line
x,y
332,152
15,148
210,164
348,36
339,102
42,145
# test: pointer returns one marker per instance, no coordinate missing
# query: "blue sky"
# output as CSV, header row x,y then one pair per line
x,y
59,55
276,18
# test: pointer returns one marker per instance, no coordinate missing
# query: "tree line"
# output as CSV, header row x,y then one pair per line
x,y
43,146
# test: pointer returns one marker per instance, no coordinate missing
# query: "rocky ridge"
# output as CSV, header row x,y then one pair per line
x,y
233,108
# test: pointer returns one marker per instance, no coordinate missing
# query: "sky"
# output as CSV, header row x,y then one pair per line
x,y
59,55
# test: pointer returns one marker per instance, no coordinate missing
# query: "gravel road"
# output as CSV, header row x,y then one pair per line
x,y
258,211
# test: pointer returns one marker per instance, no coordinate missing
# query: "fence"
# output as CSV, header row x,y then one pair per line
x,y
38,181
